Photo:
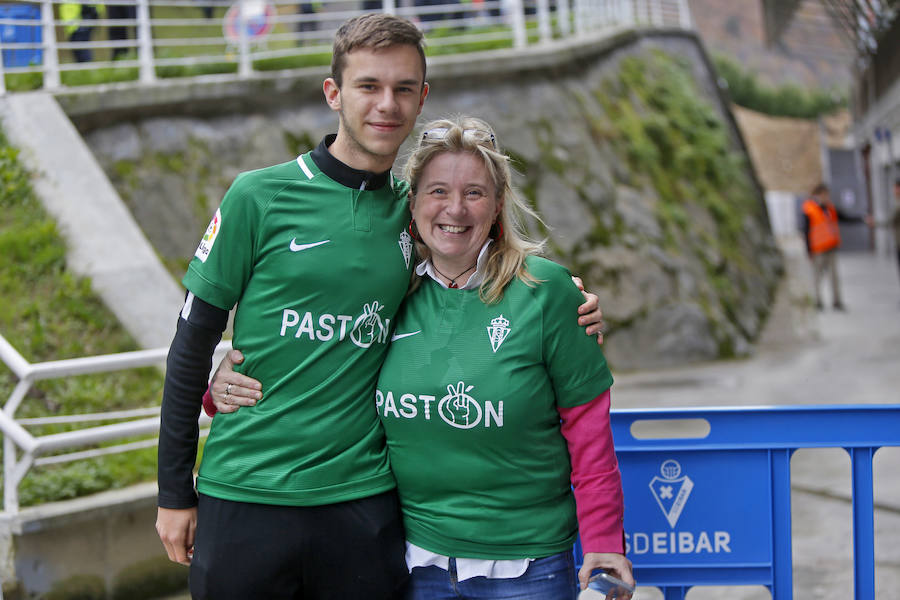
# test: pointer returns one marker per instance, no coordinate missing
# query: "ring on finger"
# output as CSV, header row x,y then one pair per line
x,y
228,389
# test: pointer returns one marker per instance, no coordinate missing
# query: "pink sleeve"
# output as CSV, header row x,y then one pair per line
x,y
595,475
208,405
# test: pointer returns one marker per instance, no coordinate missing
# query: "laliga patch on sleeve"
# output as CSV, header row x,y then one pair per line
x,y
209,238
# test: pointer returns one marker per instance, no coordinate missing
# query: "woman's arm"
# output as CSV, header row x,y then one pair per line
x,y
597,486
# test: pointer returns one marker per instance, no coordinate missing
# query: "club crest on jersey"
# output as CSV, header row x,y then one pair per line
x,y
209,238
498,331
369,326
458,408
406,246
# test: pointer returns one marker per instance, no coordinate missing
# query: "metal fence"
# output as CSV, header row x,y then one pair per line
x,y
70,43
708,491
22,450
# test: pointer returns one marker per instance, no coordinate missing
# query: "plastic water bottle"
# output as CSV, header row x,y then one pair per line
x,y
605,583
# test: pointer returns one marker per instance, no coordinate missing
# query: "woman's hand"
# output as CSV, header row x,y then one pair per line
x,y
590,313
617,564
231,390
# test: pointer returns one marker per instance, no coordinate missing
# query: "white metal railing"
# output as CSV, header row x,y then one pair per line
x,y
165,38
18,441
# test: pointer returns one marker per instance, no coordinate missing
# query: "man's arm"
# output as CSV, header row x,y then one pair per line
x,y
199,330
589,314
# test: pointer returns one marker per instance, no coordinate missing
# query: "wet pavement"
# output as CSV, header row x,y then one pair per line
x,y
808,357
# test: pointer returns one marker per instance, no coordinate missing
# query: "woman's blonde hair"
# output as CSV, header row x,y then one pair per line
x,y
506,256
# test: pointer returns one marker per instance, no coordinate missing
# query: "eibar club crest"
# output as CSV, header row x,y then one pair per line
x,y
498,331
406,246
671,491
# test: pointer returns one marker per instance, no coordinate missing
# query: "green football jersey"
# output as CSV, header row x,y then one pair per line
x,y
468,397
318,270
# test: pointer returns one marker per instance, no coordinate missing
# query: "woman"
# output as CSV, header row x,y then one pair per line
x,y
489,389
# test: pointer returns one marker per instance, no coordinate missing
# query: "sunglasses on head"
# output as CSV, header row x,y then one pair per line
x,y
478,135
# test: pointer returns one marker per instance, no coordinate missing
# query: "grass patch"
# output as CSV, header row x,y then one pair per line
x,y
681,146
48,313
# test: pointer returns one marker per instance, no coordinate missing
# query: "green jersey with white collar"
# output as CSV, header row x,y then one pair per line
x,y
468,396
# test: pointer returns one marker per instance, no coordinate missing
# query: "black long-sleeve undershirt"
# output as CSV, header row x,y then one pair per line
x,y
187,370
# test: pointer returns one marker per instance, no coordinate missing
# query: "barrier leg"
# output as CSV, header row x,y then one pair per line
x,y
863,523
782,557
674,593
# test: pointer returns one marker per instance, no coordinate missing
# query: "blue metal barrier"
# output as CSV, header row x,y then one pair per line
x,y
716,509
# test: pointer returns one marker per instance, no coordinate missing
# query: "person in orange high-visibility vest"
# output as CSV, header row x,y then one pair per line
x,y
823,238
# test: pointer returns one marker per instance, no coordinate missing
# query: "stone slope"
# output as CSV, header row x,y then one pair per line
x,y
626,150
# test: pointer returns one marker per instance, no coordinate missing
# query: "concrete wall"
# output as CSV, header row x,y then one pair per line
x,y
102,535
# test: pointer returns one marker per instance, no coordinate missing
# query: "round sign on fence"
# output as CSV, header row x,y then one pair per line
x,y
258,16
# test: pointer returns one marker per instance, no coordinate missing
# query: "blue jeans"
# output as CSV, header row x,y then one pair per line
x,y
549,578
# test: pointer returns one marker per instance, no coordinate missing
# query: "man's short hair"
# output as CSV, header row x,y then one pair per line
x,y
820,188
373,30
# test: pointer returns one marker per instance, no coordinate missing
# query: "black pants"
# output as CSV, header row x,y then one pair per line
x,y
120,32
345,551
82,34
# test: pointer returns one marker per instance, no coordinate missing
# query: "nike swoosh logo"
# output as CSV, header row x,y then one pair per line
x,y
295,247
398,336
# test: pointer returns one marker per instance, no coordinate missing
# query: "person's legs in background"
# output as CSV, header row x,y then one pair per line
x,y
837,301
82,34
819,264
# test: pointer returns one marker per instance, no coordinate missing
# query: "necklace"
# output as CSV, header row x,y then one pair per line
x,y
453,280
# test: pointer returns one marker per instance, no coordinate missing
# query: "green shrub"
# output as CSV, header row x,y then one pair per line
x,y
788,100
78,587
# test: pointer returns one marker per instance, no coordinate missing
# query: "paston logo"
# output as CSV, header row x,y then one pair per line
x,y
498,331
363,330
406,246
671,491
369,327
458,408
209,238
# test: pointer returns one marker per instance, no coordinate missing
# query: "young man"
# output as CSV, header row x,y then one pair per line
x,y
823,238
296,498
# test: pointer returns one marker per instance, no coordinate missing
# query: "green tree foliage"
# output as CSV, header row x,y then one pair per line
x,y
789,100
